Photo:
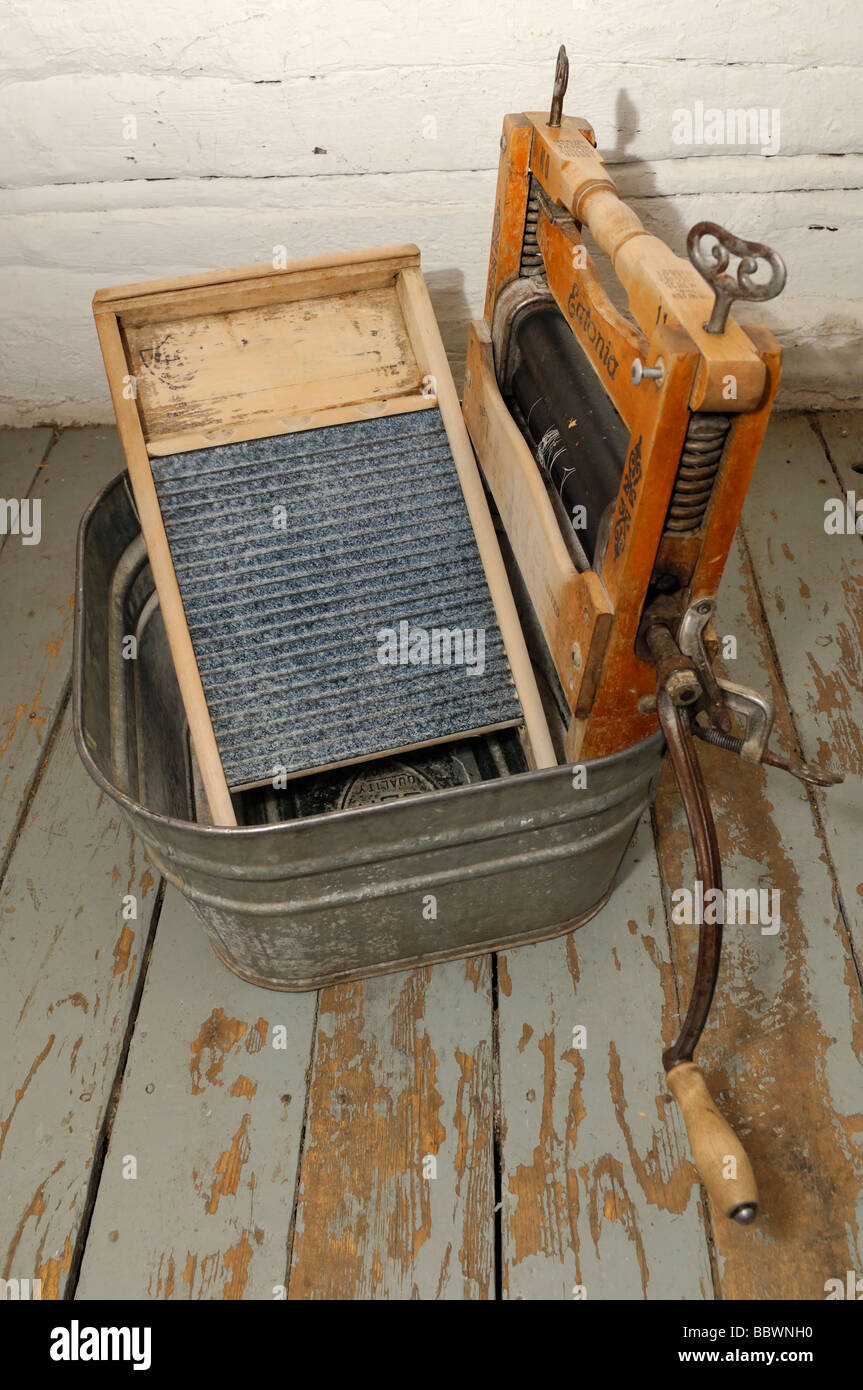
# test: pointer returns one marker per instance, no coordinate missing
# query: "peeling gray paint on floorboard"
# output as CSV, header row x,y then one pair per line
x,y
783,1048
598,1190
68,969
212,1113
402,1074
811,585
403,1058
38,587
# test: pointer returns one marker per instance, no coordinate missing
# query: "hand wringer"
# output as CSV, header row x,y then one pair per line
x,y
618,448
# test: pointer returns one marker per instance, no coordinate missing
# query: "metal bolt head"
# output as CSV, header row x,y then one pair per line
x,y
576,655
503,144
745,1214
683,687
640,373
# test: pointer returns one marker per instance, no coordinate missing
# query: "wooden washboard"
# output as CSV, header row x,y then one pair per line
x,y
304,480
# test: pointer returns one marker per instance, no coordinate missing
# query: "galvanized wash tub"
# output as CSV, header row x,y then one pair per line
x,y
342,888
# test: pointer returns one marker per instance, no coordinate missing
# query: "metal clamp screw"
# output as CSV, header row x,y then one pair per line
x,y
711,263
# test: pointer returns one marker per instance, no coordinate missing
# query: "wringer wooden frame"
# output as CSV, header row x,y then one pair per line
x,y
617,449
622,549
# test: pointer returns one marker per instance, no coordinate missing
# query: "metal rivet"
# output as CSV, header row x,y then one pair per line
x,y
503,142
576,655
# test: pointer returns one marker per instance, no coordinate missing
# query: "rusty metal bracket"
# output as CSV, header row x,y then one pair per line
x,y
757,711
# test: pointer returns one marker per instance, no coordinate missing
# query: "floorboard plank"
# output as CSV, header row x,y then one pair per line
x,y
38,585
21,454
69,964
598,1191
597,1188
211,1111
402,1073
842,432
784,1044
811,585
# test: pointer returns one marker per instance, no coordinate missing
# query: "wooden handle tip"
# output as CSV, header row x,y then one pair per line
x,y
717,1153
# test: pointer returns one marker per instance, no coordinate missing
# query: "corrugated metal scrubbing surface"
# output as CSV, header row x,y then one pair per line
x,y
293,554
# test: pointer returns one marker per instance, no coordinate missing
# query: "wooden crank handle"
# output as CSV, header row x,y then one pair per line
x,y
717,1153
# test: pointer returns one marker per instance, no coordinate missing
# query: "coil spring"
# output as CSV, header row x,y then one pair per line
x,y
696,473
531,256
719,738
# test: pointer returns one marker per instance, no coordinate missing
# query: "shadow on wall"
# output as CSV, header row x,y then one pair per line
x,y
446,287
662,219
804,349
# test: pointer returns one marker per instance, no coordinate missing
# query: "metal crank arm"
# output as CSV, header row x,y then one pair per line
x,y
718,1154
686,684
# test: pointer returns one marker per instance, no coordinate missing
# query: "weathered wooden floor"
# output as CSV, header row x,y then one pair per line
x,y
298,1172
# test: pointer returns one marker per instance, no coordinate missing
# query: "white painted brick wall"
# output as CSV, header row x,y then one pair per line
x,y
286,122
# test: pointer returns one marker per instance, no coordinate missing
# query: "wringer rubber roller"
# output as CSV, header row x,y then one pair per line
x,y
618,448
